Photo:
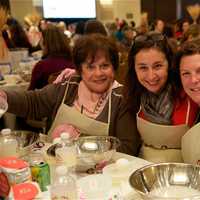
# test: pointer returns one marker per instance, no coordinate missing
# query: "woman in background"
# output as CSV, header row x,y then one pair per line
x,y
56,57
165,113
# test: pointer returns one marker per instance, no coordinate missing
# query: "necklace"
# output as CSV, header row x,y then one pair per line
x,y
95,109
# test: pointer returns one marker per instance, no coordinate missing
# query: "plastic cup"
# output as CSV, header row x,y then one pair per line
x,y
95,187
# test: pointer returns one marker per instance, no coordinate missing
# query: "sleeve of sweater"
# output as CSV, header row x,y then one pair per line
x,y
36,75
35,104
125,128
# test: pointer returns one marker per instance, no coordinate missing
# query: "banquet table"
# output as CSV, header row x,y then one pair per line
x,y
122,192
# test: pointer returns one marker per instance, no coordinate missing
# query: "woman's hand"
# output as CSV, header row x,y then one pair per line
x,y
74,132
66,73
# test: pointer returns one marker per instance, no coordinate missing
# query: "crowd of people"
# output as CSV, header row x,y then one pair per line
x,y
153,112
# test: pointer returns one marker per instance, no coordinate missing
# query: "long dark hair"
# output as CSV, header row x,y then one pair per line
x,y
132,87
55,42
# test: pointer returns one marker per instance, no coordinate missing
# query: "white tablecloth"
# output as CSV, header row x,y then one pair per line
x,y
13,81
125,190
18,86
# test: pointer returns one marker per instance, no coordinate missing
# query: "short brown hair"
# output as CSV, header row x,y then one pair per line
x,y
187,49
89,45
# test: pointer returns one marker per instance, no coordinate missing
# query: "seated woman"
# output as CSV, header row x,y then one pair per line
x,y
188,67
91,103
56,57
165,113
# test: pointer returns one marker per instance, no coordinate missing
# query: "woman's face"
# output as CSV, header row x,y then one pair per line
x,y
190,76
151,68
98,75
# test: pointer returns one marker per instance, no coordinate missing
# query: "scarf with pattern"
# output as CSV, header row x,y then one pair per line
x,y
158,108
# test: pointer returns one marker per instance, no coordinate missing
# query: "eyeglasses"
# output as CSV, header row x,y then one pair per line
x,y
154,37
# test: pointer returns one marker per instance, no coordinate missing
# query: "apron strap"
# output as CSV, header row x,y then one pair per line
x,y
188,111
109,100
66,90
109,108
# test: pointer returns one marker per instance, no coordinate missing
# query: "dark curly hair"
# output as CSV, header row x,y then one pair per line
x,y
88,45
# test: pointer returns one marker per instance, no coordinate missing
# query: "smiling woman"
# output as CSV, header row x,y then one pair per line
x,y
153,76
190,70
165,113
88,104
188,67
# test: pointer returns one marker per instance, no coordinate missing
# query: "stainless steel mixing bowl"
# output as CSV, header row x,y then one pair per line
x,y
167,181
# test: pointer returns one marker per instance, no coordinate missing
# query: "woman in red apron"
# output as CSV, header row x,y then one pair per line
x,y
188,65
164,112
